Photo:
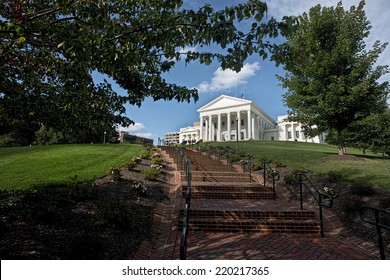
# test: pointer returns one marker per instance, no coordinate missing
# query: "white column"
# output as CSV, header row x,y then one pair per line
x,y
292,132
206,138
219,128
249,126
211,128
201,128
239,125
253,127
228,127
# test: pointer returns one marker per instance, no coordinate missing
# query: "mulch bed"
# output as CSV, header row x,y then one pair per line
x,y
101,220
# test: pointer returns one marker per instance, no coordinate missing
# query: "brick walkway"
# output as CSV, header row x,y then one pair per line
x,y
338,243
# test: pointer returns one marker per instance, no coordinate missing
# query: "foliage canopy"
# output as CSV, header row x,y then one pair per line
x,y
50,49
331,78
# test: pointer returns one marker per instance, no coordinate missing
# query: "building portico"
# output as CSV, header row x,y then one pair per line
x,y
226,118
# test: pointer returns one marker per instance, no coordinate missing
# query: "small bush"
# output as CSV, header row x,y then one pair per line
x,y
151,173
115,174
278,163
131,165
290,179
330,191
157,161
257,165
156,155
146,153
137,159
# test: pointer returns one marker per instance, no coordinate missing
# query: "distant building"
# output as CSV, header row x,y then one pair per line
x,y
226,118
125,137
172,137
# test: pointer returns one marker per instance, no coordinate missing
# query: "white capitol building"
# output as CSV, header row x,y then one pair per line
x,y
226,117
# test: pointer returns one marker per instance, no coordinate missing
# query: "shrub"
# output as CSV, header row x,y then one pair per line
x,y
48,136
114,173
157,160
156,155
258,164
330,191
151,173
137,159
131,165
146,153
290,179
278,163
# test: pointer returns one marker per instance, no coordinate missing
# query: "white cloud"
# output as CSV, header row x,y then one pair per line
x,y
224,80
137,129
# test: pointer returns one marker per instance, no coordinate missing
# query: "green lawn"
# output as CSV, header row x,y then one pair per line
x,y
26,167
372,169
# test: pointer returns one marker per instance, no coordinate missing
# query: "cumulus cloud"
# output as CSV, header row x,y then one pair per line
x,y
224,80
138,129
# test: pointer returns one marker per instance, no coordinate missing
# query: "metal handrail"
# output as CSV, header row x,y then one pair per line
x,y
186,214
379,226
307,183
184,234
270,173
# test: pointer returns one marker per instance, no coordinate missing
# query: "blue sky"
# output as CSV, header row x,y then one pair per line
x,y
257,80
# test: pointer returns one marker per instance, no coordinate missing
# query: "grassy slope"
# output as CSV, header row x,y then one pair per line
x,y
373,170
27,167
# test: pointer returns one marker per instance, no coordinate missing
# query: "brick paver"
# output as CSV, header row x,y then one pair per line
x,y
338,244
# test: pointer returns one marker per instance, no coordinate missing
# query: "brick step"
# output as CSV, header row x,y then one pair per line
x,y
231,195
297,215
238,179
215,173
264,226
235,187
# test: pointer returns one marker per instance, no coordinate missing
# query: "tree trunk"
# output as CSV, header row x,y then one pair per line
x,y
341,145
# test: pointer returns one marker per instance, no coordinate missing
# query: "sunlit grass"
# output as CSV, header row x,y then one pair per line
x,y
26,167
371,169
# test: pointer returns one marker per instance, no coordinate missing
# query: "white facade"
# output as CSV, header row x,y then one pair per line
x,y
292,131
226,117
189,134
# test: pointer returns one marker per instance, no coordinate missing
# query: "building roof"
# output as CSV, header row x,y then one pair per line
x,y
224,101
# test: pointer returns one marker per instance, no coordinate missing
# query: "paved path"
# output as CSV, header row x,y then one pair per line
x,y
338,244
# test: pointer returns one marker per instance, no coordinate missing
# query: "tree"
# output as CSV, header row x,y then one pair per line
x,y
330,76
372,132
50,49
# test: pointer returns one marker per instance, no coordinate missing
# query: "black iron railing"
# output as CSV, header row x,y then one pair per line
x,y
321,198
180,157
186,216
270,174
377,222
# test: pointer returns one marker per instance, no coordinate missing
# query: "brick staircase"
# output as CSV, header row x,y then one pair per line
x,y
226,200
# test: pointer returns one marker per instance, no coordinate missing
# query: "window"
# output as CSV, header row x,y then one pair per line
x,y
242,122
296,134
289,134
223,123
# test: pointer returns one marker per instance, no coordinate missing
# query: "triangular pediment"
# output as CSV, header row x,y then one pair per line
x,y
224,101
